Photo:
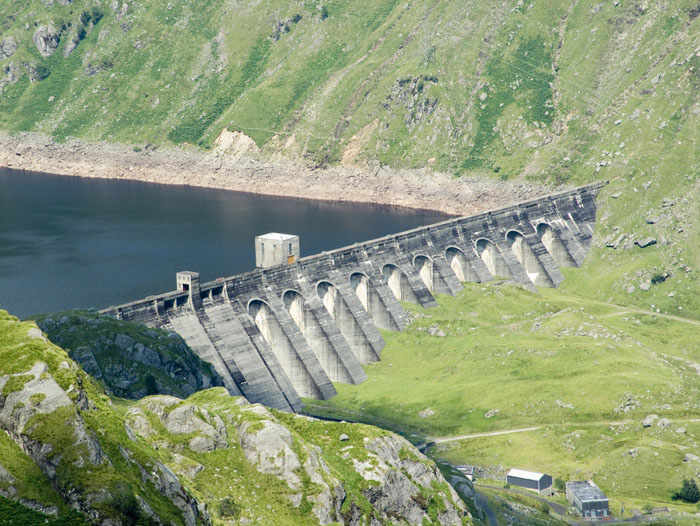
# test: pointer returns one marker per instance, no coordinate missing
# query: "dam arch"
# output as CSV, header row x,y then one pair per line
x,y
372,301
316,337
460,265
492,258
398,283
528,259
276,338
554,245
424,265
347,323
252,321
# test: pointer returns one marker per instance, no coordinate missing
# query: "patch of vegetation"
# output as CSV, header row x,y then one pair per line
x,y
562,362
14,514
689,492
16,383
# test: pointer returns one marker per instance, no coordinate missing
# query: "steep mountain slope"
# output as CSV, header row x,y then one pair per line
x,y
506,87
128,359
210,459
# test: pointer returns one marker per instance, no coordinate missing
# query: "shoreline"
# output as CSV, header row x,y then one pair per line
x,y
417,189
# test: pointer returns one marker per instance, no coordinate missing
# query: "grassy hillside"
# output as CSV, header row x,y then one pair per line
x,y
585,372
210,459
499,88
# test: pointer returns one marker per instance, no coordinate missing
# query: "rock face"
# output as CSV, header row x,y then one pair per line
x,y
209,458
131,360
306,459
46,39
235,144
8,46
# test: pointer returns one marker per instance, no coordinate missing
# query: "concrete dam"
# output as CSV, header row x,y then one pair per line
x,y
284,332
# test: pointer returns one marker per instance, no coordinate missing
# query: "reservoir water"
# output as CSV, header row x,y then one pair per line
x,y
72,243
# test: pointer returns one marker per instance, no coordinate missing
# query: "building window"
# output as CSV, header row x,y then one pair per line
x,y
262,250
290,249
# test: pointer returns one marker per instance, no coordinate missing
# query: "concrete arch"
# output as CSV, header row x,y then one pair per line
x,y
283,349
492,258
460,265
348,326
398,283
372,301
424,265
315,336
554,246
528,259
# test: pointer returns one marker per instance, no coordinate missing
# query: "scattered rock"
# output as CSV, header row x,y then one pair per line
x,y
649,420
689,457
644,286
46,39
491,413
663,423
426,413
343,437
8,46
436,331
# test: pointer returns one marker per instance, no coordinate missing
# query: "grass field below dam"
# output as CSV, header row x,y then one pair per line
x,y
584,373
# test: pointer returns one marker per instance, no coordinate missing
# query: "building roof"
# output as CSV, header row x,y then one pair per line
x,y
522,474
277,236
586,491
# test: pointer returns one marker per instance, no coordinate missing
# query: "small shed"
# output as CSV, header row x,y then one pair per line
x,y
588,499
539,482
276,249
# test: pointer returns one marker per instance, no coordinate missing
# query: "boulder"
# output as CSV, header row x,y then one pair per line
x,y
46,39
8,46
649,420
267,445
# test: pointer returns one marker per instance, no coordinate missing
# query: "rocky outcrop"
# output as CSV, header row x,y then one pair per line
x,y
46,39
132,361
235,144
209,458
8,46
305,456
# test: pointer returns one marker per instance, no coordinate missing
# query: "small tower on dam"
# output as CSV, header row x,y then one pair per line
x,y
276,249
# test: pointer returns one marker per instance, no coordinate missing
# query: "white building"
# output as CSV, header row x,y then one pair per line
x,y
539,482
276,249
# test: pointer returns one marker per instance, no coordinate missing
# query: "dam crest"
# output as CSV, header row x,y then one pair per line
x,y
284,332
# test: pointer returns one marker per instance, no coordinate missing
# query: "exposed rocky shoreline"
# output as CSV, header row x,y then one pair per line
x,y
422,189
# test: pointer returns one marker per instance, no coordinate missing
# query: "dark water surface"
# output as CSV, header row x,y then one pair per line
x,y
67,242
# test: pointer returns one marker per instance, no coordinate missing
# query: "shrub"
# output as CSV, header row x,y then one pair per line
x,y
559,484
229,508
689,492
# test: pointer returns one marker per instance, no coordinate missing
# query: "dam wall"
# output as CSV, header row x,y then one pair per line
x,y
282,333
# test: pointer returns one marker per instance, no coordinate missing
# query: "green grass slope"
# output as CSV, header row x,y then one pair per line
x,y
501,88
585,373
